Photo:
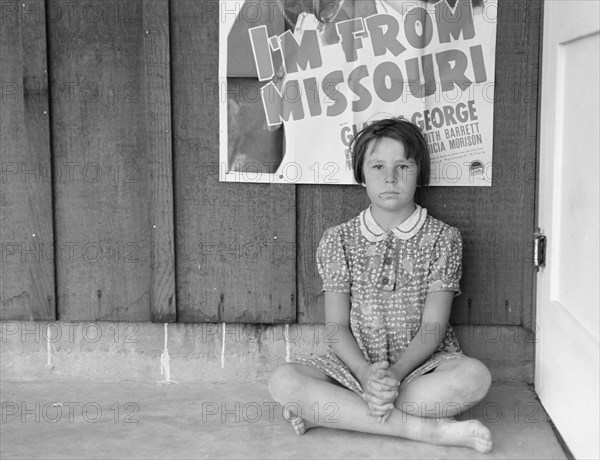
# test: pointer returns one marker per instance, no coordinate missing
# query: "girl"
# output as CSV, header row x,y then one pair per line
x,y
389,276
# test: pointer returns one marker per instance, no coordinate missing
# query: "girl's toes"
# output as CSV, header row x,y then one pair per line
x,y
483,446
482,438
298,423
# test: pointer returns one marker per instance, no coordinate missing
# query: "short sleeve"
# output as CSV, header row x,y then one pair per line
x,y
446,268
332,263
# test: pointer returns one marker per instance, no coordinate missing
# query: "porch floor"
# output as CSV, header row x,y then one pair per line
x,y
84,420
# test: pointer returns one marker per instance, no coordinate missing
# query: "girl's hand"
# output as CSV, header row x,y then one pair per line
x,y
376,371
381,389
381,396
378,408
383,384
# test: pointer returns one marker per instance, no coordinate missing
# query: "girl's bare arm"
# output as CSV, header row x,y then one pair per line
x,y
337,311
434,322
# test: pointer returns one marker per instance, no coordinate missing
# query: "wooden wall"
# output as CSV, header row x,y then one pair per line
x,y
118,103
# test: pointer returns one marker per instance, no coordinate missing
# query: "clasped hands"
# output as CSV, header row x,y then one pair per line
x,y
380,387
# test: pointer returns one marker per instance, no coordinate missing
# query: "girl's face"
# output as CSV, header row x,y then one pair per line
x,y
390,178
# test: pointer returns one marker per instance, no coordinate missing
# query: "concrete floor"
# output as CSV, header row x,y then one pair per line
x,y
150,420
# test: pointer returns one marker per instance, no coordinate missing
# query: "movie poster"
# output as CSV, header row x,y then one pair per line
x,y
299,78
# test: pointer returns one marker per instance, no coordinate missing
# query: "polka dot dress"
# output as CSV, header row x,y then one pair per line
x,y
388,276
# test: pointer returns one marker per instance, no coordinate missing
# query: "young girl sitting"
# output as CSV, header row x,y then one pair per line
x,y
389,275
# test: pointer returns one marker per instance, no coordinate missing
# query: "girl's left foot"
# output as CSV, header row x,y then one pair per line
x,y
298,423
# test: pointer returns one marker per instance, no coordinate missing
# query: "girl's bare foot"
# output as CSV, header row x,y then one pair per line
x,y
468,433
299,425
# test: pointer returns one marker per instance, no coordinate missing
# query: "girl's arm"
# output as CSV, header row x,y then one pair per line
x,y
381,399
434,322
337,311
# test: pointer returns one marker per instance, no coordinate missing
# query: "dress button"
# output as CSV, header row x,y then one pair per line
x,y
384,281
387,261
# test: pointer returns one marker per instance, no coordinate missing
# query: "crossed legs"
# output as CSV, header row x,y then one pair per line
x,y
423,408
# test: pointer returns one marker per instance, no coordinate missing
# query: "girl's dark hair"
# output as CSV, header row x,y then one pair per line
x,y
399,129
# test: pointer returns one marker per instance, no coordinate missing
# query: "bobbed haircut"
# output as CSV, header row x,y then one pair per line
x,y
399,129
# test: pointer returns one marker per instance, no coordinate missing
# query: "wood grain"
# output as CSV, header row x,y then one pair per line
x,y
27,290
157,63
104,125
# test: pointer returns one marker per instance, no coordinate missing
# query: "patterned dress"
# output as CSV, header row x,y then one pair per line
x,y
388,276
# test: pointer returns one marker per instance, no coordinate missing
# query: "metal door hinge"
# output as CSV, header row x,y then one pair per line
x,y
539,249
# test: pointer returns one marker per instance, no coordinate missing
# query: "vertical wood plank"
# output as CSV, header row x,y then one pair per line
x,y
158,115
235,242
102,77
26,234
529,52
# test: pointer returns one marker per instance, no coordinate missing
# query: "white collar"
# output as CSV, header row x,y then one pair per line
x,y
406,230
